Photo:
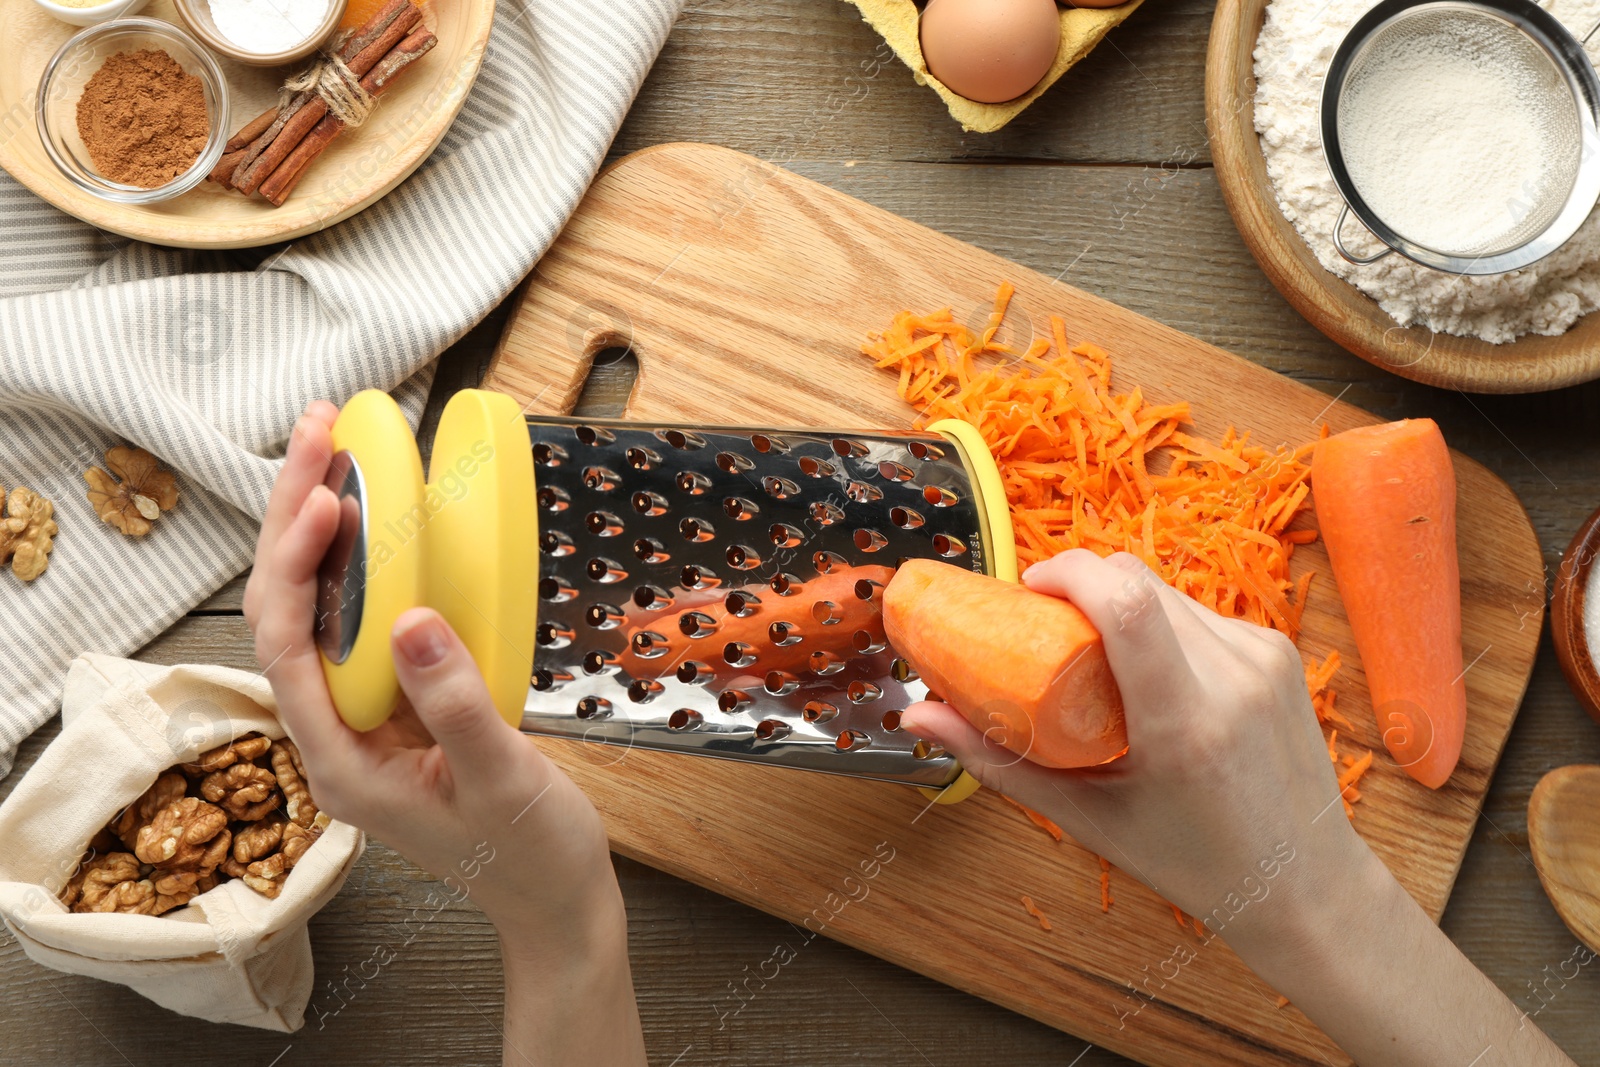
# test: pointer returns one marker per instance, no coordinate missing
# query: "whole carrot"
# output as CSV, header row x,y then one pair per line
x,y
1386,503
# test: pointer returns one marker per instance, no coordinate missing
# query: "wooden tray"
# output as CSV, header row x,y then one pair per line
x,y
1529,364
745,292
354,172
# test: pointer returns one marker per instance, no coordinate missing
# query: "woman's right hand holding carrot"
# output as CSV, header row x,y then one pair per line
x,y
1227,805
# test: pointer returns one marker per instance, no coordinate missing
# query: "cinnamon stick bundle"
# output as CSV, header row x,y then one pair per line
x,y
255,158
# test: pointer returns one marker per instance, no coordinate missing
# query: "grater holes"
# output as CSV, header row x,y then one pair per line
x,y
905,518
696,530
545,679
891,721
825,514
549,455
740,603
652,598
684,719
594,435
552,635
812,467
555,590
693,672
740,509
600,479
733,462
641,458
825,663
779,488
692,482
851,741
869,540
785,584
738,654
925,450
948,546
594,708
862,493
901,670
554,498
696,624
682,439
598,661
602,524
556,543
733,701
644,690
781,683
939,496
817,711
861,692
603,616
895,472
826,612
743,557
785,536
925,750
649,550
827,562
695,576
847,449
605,571
772,730
648,503
647,644
782,634
769,445
866,588
866,642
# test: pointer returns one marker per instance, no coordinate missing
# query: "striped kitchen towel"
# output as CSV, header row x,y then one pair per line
x,y
103,340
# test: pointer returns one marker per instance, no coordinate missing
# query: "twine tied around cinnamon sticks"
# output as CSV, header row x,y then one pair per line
x,y
271,153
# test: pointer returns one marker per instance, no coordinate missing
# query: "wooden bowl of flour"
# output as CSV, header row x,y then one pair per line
x,y
1529,364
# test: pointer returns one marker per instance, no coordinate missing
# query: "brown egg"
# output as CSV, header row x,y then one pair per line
x,y
990,50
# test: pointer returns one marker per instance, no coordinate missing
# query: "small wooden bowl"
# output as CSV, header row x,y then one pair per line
x,y
1573,650
196,14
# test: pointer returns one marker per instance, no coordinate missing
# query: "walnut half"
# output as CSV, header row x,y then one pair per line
x,y
135,492
27,533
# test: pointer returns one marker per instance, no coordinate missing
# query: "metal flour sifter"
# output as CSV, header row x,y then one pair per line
x,y
713,591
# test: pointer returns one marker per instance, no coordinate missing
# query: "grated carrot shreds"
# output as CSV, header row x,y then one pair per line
x,y
1033,909
1283,1002
1177,913
1084,467
1106,899
1041,821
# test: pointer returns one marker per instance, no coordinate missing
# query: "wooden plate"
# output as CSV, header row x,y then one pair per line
x,y
355,171
1348,316
1573,650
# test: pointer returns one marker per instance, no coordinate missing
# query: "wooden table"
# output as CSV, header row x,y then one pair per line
x,y
1107,180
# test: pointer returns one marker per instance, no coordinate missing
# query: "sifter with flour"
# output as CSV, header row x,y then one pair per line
x,y
1462,133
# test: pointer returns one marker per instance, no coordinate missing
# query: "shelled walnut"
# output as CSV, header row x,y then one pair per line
x,y
27,532
236,811
135,492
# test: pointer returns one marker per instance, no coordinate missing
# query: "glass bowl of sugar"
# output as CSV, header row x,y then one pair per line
x,y
109,86
262,33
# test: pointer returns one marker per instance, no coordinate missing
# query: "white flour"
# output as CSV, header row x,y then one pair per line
x,y
1292,54
268,26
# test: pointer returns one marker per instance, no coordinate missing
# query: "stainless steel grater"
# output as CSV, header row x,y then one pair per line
x,y
717,590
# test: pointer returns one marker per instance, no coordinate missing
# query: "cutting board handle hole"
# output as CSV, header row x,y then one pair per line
x,y
609,383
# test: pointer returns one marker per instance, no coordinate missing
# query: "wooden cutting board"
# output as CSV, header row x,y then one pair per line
x,y
745,292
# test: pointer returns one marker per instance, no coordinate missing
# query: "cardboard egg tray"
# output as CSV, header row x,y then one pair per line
x,y
1081,29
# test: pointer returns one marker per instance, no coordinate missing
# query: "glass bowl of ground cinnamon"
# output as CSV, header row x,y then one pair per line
x,y
133,110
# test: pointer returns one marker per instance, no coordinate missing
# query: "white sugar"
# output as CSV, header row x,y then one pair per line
x,y
267,27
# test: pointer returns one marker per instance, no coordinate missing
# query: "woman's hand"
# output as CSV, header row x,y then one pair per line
x,y
1226,793
449,784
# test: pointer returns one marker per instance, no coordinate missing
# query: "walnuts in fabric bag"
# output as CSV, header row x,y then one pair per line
x,y
241,810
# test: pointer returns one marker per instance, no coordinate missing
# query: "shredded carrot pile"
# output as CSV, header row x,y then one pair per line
x,y
1350,768
1034,817
1085,467
1106,899
1033,909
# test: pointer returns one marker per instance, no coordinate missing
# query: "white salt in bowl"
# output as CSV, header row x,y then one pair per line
x,y
91,16
196,14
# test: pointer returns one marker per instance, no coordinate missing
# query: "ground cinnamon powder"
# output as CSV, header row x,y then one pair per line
x,y
143,118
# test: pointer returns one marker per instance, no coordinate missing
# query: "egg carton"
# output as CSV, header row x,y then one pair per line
x,y
1081,29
